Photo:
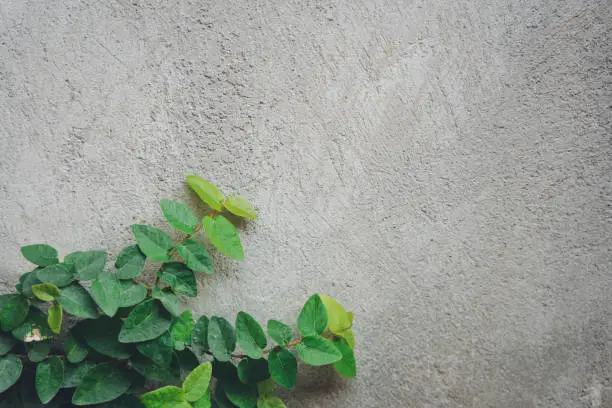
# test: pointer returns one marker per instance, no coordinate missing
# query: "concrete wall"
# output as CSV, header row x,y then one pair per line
x,y
443,168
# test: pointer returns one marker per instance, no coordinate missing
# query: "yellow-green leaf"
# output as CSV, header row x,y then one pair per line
x,y
207,191
55,318
195,385
165,397
238,205
338,319
224,236
46,291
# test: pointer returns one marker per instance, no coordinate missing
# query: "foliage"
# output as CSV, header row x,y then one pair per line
x,y
131,344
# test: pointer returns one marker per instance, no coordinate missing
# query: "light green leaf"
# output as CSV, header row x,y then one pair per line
x,y
270,402
221,338
131,293
13,311
101,335
253,371
251,337
241,395
179,216
203,402
346,367
195,385
59,274
315,350
349,337
181,328
199,336
75,351
38,350
40,254
106,291
102,383
74,374
280,332
10,371
46,291
49,378
224,236
266,388
7,343
159,353
153,242
87,265
180,278
337,317
239,206
77,301
168,299
34,328
130,262
283,367
196,256
145,322
313,317
54,318
165,397
207,192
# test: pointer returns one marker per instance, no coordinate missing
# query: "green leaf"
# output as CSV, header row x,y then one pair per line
x,y
179,216
77,301
46,291
153,242
130,262
239,206
349,337
315,350
186,360
266,388
40,254
251,337
124,401
145,322
34,328
49,378
283,367
59,274
181,328
27,280
279,332
88,265
74,374
54,318
13,311
196,384
7,343
346,367
131,293
38,350
101,335
270,402
199,336
196,256
207,192
155,372
168,299
159,353
180,278
241,395
75,351
103,383
225,371
224,236
313,317
221,338
253,371
203,402
165,397
106,291
10,371
337,317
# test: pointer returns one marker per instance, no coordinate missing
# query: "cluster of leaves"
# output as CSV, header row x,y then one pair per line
x,y
126,338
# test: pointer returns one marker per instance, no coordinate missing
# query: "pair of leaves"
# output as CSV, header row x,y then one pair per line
x,y
195,389
210,195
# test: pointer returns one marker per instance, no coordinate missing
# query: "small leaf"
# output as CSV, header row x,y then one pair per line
x,y
46,291
221,338
10,371
253,371
74,374
199,336
181,328
347,366
180,278
251,337
27,280
13,311
77,301
54,318
179,216
49,378
40,254
106,291
75,350
101,335
224,236
283,367
313,317
168,299
239,206
207,192
153,242
145,322
7,343
34,328
337,317
38,350
241,395
270,402
130,262
102,383
165,397
159,353
131,293
88,265
280,332
196,256
195,385
315,350
59,274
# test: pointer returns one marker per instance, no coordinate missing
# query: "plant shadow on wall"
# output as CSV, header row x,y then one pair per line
x,y
133,345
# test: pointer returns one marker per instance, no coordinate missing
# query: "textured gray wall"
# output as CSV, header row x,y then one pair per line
x,y
443,168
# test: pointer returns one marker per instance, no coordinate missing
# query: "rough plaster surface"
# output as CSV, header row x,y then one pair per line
x,y
443,168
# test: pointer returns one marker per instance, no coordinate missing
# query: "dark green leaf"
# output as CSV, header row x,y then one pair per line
x,y
73,374
10,371
54,318
221,400
88,265
316,351
101,335
38,350
241,395
49,378
106,291
199,336
155,372
181,330
45,291
187,361
270,402
251,337
196,384
59,274
252,371
221,338
283,367
313,317
103,383
13,311
153,242
239,206
225,371
130,262
168,299
165,397
34,328
180,278
7,343
179,216
75,351
280,332
224,236
159,353
131,293
146,322
77,301
27,280
40,254
207,192
196,256
347,366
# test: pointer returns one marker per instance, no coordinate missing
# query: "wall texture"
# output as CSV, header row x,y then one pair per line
x,y
443,168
